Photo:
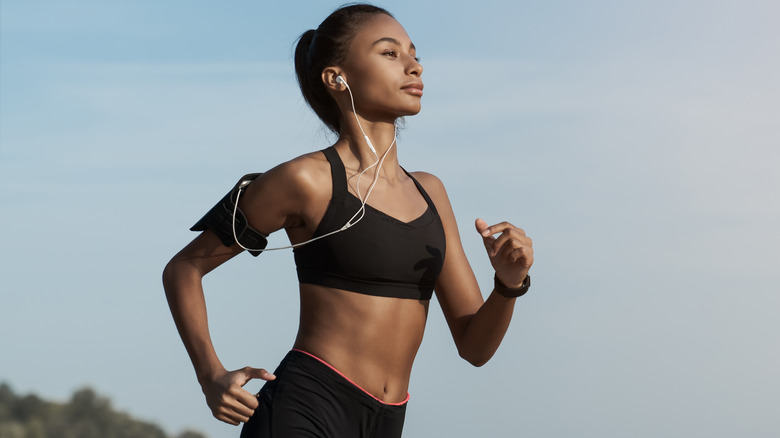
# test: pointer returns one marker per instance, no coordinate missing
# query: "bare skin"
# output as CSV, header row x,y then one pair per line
x,y
372,340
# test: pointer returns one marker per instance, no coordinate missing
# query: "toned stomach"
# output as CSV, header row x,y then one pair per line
x,y
371,340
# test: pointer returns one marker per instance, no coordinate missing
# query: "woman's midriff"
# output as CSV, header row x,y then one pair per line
x,y
372,341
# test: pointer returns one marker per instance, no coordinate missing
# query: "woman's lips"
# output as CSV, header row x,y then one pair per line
x,y
415,88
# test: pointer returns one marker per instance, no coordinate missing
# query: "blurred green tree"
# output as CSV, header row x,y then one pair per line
x,y
85,415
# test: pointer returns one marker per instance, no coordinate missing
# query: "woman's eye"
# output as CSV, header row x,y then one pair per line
x,y
395,54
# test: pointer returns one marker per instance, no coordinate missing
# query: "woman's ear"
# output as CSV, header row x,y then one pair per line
x,y
330,77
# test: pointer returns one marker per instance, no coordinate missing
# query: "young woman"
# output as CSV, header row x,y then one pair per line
x,y
366,283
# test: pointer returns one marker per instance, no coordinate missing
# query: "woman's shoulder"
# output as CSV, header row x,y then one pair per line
x,y
436,191
430,182
306,172
283,196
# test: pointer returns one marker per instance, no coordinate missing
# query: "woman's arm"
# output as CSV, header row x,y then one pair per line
x,y
477,326
270,203
224,392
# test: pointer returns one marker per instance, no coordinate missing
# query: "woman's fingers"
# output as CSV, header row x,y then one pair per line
x,y
511,238
522,253
230,417
257,373
238,409
248,402
484,230
229,401
236,406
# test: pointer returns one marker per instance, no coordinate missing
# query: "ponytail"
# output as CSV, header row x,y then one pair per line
x,y
312,87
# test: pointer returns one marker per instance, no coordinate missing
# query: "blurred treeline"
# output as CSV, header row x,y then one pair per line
x,y
85,415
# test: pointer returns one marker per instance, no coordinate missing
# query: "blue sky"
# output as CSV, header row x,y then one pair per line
x,y
636,142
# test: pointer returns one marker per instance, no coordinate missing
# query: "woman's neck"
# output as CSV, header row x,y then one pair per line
x,y
382,137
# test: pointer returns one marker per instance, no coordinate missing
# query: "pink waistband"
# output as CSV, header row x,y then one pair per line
x,y
350,380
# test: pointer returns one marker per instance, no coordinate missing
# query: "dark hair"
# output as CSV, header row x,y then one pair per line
x,y
327,46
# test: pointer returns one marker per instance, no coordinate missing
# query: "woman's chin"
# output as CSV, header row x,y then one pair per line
x,y
413,111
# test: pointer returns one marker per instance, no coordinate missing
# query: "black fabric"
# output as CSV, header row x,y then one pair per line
x,y
309,399
380,255
220,221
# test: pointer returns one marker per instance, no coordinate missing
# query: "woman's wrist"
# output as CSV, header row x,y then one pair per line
x,y
207,376
509,292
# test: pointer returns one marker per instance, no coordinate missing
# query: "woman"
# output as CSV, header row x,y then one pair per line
x,y
390,240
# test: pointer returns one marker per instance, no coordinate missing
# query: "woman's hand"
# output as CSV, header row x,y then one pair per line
x,y
226,397
511,253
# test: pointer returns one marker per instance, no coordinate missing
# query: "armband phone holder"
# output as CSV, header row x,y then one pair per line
x,y
220,220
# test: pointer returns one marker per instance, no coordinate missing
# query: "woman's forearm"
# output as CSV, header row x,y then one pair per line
x,y
184,291
486,329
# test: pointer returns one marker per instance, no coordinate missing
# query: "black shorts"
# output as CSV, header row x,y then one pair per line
x,y
310,398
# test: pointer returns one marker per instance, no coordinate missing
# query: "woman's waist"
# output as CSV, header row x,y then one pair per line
x,y
371,340
381,371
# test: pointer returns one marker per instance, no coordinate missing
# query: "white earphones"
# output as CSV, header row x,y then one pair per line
x,y
361,211
340,79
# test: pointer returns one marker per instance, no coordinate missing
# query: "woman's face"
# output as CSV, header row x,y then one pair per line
x,y
382,70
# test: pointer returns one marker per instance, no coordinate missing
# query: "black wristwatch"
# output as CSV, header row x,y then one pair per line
x,y
507,292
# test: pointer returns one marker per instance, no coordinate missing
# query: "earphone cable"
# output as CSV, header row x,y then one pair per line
x,y
361,211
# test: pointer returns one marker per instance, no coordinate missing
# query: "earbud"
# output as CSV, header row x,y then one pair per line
x,y
340,80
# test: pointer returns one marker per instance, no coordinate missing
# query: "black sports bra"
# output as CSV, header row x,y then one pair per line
x,y
379,255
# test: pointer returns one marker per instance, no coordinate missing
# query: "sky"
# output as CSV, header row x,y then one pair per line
x,y
636,142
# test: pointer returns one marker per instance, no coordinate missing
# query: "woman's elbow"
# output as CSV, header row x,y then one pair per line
x,y
173,273
169,275
474,358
